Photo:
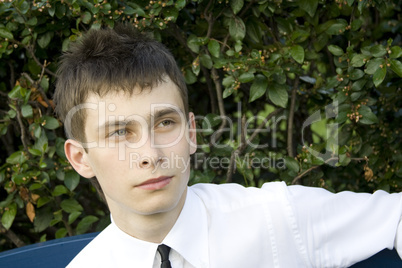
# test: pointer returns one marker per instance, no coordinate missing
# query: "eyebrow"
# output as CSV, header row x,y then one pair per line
x,y
165,111
158,114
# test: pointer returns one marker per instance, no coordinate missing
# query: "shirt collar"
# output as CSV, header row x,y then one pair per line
x,y
132,250
189,235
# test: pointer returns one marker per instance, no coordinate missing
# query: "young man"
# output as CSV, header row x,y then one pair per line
x,y
124,104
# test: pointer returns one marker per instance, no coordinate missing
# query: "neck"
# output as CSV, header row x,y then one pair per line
x,y
151,228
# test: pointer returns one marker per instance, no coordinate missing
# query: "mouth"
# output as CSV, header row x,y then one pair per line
x,y
155,183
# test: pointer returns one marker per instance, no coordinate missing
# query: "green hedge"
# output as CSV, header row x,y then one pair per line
x,y
317,84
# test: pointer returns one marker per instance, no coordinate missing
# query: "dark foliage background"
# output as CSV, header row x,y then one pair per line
x,y
260,71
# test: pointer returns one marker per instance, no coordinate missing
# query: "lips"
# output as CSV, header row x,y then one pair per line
x,y
156,183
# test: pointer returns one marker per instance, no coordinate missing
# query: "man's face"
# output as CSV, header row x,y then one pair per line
x,y
140,149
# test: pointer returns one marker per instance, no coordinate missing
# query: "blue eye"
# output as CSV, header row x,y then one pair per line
x,y
120,132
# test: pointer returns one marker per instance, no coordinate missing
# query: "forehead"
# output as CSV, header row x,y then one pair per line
x,y
138,102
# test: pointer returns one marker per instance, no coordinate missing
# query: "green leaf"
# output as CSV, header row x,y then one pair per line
x,y
337,27
379,76
189,76
193,44
227,92
35,151
59,190
320,42
171,14
17,158
180,4
236,5
310,6
86,17
278,94
344,160
35,186
297,53
9,215
42,220
373,65
237,28
43,200
356,95
358,60
254,31
85,224
228,81
214,48
356,74
356,24
378,51
23,7
292,164
335,50
5,33
73,216
50,122
62,232
396,66
26,111
33,21
359,84
396,52
52,10
44,83
71,179
246,77
368,116
60,10
258,88
71,205
206,61
45,39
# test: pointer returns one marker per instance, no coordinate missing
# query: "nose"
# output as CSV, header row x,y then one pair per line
x,y
150,155
148,162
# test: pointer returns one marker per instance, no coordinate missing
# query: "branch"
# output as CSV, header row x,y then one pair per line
x,y
232,164
243,143
209,18
212,96
24,138
30,49
298,177
218,87
246,8
38,86
238,151
12,74
291,117
12,236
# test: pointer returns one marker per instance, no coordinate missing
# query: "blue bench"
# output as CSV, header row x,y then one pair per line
x,y
50,254
59,252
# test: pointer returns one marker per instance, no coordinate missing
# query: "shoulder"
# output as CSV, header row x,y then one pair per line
x,y
92,252
214,195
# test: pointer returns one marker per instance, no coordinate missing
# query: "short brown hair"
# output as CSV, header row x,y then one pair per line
x,y
110,60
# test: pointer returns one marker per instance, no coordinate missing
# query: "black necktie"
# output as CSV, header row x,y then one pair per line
x,y
164,251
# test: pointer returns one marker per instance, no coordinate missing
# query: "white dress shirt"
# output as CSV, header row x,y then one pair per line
x,y
275,226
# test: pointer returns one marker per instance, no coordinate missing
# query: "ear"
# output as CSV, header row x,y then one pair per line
x,y
192,133
77,157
